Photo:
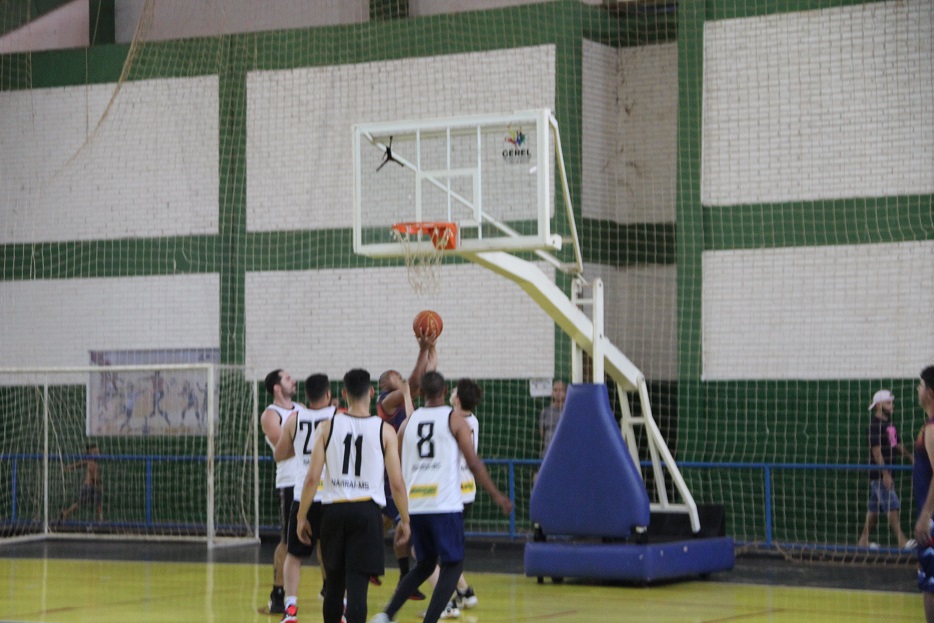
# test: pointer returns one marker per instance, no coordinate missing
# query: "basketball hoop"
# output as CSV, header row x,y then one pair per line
x,y
423,257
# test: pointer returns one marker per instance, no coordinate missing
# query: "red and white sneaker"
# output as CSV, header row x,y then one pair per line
x,y
291,615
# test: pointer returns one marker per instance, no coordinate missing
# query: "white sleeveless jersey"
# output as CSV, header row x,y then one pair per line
x,y
468,483
355,460
431,462
285,470
306,427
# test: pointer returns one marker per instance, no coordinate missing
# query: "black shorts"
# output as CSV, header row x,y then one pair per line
x,y
352,538
285,509
295,546
89,494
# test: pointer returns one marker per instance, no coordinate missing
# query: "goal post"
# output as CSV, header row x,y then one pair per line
x,y
157,452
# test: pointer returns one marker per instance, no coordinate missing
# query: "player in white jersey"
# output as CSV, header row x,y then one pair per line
x,y
281,385
356,447
464,398
297,440
432,442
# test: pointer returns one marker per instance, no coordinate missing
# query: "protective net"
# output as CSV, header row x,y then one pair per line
x,y
752,182
129,452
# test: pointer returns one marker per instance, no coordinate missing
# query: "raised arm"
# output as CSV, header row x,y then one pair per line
x,y
427,361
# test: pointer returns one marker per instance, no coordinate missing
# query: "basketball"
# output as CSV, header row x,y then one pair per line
x,y
428,323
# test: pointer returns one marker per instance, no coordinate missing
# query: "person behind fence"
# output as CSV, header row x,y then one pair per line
x,y
922,483
548,418
884,447
92,487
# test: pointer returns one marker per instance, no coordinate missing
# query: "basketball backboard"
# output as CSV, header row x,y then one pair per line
x,y
491,175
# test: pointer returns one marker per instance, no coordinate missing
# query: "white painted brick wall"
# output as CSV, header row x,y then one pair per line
x,y
440,7
599,131
56,322
819,104
334,320
180,19
630,133
175,19
836,312
299,126
641,315
647,163
150,170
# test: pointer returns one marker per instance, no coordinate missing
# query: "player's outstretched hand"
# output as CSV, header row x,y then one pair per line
x,y
425,341
504,503
303,529
401,537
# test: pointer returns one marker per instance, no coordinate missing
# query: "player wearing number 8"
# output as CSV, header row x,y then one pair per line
x,y
356,447
432,443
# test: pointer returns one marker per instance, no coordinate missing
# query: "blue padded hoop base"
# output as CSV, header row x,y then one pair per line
x,y
646,563
589,489
588,484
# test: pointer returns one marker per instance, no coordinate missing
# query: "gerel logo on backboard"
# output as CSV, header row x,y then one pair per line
x,y
517,154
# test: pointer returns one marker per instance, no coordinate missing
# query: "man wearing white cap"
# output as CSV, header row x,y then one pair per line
x,y
883,444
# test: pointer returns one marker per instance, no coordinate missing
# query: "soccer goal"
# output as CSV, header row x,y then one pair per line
x,y
150,452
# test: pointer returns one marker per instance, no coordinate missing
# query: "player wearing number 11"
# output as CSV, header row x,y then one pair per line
x,y
356,447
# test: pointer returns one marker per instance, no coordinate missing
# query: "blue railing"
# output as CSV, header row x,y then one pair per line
x,y
148,460
511,465
768,470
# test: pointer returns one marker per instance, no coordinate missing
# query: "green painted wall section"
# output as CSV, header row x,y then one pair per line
x,y
619,245
630,26
103,24
111,258
841,221
232,223
689,213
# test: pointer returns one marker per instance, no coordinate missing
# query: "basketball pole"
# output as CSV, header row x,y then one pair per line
x,y
589,337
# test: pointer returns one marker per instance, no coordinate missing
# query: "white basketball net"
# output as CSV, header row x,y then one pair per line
x,y
423,264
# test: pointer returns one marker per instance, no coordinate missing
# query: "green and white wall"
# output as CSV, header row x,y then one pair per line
x,y
806,173
752,180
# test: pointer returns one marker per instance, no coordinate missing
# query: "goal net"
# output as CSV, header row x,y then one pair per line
x,y
752,182
162,452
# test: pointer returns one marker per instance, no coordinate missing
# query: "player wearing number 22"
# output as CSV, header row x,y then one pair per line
x,y
432,443
356,447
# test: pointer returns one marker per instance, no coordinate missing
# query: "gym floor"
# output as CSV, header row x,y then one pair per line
x,y
77,581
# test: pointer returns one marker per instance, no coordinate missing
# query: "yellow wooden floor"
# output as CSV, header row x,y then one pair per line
x,y
77,591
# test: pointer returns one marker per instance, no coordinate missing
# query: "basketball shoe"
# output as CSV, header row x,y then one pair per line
x,y
291,615
467,599
277,600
